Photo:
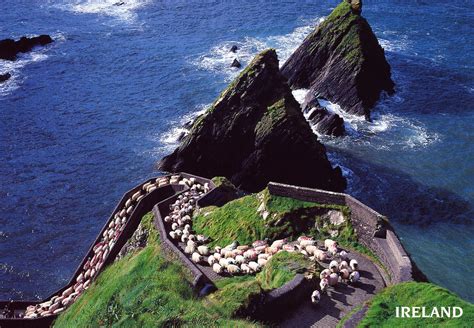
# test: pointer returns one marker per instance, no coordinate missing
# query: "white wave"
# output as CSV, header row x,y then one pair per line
x,y
219,58
120,9
300,95
24,59
14,68
170,139
385,130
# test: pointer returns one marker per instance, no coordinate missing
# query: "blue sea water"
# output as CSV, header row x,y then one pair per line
x,y
87,117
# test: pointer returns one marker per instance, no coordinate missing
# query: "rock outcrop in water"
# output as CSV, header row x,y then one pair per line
x,y
342,61
10,48
4,77
254,133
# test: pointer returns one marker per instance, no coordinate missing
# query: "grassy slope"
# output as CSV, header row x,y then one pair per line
x,y
146,290
381,312
239,219
282,268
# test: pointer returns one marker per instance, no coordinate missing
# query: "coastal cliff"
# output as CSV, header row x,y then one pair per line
x,y
255,133
342,61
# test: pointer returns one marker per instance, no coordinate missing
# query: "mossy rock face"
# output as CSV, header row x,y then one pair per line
x,y
342,61
262,215
255,133
282,268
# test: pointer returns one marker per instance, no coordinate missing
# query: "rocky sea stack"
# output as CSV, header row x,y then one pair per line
x,y
10,48
342,61
254,133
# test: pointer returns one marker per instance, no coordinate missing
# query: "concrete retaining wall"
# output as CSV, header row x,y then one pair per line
x,y
373,229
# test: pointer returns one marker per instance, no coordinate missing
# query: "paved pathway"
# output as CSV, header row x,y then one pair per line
x,y
339,300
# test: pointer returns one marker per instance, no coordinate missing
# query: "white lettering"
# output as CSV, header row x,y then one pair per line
x,y
405,312
457,312
434,312
415,312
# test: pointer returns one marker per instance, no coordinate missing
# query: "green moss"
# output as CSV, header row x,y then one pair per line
x,y
144,290
272,116
223,182
240,219
381,312
236,296
282,268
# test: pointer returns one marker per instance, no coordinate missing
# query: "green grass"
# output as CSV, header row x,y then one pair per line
x,y
146,290
282,268
239,219
381,311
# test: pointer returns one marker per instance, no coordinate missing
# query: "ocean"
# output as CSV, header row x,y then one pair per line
x,y
86,118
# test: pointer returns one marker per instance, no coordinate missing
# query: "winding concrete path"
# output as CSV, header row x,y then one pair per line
x,y
339,300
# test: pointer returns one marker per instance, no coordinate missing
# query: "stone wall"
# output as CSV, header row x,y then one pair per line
x,y
373,229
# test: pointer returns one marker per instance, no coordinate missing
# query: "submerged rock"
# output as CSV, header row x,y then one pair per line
x,y
4,77
254,133
10,48
236,63
322,120
342,61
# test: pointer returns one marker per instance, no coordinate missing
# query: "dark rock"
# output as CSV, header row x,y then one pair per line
x,y
10,48
321,119
181,136
4,77
254,133
327,123
342,61
234,48
119,3
236,63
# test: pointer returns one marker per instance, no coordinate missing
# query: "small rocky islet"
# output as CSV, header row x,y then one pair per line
x,y
9,49
343,62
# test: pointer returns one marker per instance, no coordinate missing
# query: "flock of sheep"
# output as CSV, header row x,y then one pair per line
x,y
235,259
101,250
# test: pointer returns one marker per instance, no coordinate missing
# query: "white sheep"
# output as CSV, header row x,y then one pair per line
x,y
279,243
203,250
343,265
245,268
173,235
324,274
354,277
254,266
250,254
233,269
333,279
320,255
343,255
217,268
262,262
223,262
307,242
196,257
190,249
344,274
333,266
174,226
332,250
323,284
330,243
311,249
211,260
239,259
354,265
315,297
217,256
